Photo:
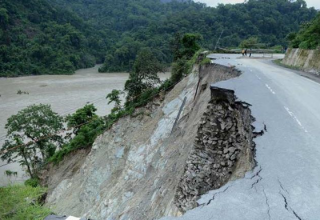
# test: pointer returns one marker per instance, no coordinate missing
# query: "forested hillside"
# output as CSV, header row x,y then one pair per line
x,y
36,38
60,36
308,37
132,24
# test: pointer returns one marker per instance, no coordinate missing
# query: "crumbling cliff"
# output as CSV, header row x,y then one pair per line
x,y
161,160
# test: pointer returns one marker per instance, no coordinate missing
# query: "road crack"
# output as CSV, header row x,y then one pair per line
x,y
281,186
267,203
286,203
257,174
214,195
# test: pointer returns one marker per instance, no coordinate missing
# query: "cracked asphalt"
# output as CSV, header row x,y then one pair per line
x,y
285,184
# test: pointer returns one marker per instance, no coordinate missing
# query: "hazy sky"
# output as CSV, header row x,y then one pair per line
x,y
311,3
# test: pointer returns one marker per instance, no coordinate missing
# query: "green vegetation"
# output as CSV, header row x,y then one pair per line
x,y
308,37
60,36
22,202
36,38
249,43
114,96
144,75
33,182
134,24
31,125
146,68
86,125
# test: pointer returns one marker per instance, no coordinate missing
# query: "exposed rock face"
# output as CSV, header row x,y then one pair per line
x,y
223,139
134,169
52,175
306,60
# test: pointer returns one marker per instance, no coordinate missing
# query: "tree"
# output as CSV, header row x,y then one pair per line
x,y
190,44
37,37
176,46
308,37
34,130
179,69
81,117
114,96
4,18
145,73
86,125
249,43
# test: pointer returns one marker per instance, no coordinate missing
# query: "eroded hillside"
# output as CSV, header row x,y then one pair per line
x,y
154,164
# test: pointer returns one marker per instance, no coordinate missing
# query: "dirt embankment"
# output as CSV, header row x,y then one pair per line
x,y
139,169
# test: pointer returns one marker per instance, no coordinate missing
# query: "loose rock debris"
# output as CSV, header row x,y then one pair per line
x,y
223,146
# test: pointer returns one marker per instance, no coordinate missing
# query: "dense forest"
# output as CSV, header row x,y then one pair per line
x,y
308,37
60,36
36,38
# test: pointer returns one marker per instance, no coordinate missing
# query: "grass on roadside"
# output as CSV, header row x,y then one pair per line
x,y
19,202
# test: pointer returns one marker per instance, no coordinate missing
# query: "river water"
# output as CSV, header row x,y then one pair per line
x,y
65,94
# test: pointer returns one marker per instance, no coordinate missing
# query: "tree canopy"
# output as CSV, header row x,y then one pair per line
x,y
37,38
133,24
60,36
30,126
308,37
145,73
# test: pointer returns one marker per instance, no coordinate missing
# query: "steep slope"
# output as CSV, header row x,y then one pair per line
x,y
139,169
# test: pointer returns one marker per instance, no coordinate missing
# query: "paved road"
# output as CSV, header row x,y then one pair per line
x,y
285,184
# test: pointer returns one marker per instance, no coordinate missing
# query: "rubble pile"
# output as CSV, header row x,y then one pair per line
x,y
224,138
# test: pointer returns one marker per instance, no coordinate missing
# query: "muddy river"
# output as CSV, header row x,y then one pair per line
x,y
65,94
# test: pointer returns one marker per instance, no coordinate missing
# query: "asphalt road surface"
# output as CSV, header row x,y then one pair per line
x,y
285,184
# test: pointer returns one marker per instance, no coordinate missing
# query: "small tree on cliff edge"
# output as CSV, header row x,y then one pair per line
x,y
190,44
36,123
144,75
114,96
81,117
184,47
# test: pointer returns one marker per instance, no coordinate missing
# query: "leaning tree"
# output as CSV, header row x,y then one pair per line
x,y
32,136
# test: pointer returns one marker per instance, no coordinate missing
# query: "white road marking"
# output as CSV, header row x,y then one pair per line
x,y
295,118
258,77
270,89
